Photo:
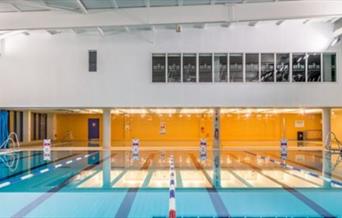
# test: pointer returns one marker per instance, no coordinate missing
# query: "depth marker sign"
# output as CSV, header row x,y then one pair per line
x,y
203,149
47,149
135,149
283,151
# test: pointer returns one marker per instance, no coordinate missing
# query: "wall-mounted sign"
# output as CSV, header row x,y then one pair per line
x,y
162,128
299,123
47,149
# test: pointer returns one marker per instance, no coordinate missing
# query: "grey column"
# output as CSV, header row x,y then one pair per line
x,y
106,143
327,168
51,126
216,149
326,127
27,127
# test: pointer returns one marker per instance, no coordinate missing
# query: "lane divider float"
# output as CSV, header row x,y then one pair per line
x,y
307,172
172,189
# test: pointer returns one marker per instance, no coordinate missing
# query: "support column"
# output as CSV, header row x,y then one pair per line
x,y
327,168
51,126
216,149
107,122
106,143
326,127
2,47
27,127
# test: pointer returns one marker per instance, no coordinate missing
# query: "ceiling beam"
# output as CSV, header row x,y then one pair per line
x,y
280,22
147,3
173,15
338,28
226,24
333,19
115,4
16,7
252,23
127,29
82,6
13,33
35,4
306,21
100,31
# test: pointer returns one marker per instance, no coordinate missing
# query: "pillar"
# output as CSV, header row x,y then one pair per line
x,y
106,143
326,127
327,168
27,127
216,149
107,122
2,47
51,126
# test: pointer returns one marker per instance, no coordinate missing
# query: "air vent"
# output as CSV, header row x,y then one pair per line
x,y
92,60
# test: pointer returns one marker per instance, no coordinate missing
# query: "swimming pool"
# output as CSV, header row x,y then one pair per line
x,y
100,183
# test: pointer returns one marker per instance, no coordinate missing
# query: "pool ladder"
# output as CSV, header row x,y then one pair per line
x,y
12,139
331,137
10,158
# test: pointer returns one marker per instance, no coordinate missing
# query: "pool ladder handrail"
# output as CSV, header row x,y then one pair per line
x,y
329,139
9,158
11,139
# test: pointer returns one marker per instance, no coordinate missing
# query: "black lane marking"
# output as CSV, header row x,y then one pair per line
x,y
126,204
38,201
35,167
304,179
313,205
215,198
307,166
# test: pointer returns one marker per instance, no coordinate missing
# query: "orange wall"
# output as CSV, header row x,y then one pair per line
x,y
336,123
76,124
261,127
234,127
147,127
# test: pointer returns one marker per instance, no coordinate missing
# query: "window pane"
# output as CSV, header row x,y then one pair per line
x,y
314,67
252,67
329,67
205,68
174,68
220,68
235,68
189,68
298,67
283,67
158,68
267,67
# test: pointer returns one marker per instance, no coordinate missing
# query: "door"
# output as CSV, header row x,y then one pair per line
x,y
93,129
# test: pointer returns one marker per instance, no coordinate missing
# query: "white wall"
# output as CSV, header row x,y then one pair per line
x,y
41,70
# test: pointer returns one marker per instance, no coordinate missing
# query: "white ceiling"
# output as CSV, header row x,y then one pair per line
x,y
74,5
107,17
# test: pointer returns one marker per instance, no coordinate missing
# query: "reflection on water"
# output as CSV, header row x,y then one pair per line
x,y
222,169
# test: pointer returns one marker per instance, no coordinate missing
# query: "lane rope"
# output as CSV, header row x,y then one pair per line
x,y
44,169
172,189
307,172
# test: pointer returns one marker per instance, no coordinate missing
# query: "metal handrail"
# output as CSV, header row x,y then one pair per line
x,y
328,140
11,159
11,139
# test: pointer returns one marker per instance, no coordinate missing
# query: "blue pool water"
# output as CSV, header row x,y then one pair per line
x,y
111,184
